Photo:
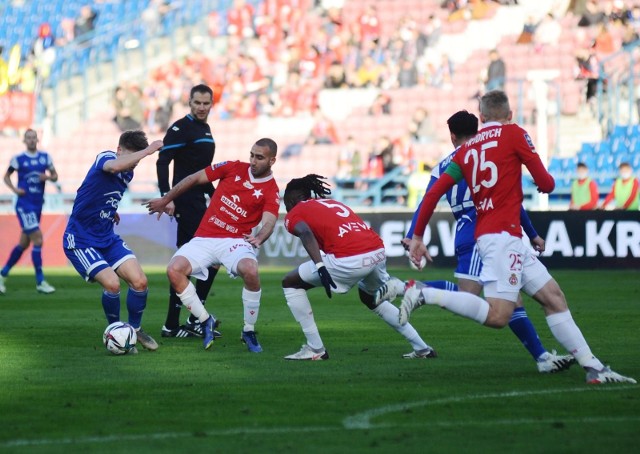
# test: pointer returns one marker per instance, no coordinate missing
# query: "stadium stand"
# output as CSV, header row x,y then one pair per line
x,y
449,53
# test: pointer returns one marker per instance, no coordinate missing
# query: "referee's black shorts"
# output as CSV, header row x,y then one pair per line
x,y
189,212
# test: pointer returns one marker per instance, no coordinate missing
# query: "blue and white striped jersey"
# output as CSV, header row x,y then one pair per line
x,y
29,167
92,218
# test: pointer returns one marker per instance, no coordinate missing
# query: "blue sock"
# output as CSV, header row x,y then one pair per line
x,y
442,285
15,255
524,330
111,306
36,258
136,302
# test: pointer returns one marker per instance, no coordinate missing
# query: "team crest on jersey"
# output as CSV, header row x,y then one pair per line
x,y
247,185
513,280
175,128
215,166
529,142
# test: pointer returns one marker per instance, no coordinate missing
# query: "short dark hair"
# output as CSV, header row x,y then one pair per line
x,y
133,140
463,124
582,165
270,143
201,88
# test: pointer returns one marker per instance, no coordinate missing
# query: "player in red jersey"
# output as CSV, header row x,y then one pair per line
x,y
491,164
351,254
246,195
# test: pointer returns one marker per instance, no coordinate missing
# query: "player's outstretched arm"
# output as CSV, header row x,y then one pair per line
x,y
129,160
164,204
268,224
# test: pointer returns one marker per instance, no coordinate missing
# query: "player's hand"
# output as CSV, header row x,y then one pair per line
x,y
252,240
154,146
116,218
325,278
20,192
418,250
538,244
156,206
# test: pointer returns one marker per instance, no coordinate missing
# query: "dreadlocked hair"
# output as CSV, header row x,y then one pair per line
x,y
309,184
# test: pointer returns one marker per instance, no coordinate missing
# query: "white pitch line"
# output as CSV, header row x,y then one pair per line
x,y
356,422
363,420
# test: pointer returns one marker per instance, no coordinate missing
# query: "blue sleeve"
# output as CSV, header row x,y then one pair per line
x,y
526,224
409,234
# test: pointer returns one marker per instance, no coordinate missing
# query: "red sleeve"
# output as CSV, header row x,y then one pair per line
x,y
272,204
541,177
634,194
593,201
610,196
430,201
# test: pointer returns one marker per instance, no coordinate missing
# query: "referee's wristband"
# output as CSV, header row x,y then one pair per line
x,y
319,265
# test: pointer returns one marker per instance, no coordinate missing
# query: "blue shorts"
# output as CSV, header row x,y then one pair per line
x,y
469,264
89,261
29,218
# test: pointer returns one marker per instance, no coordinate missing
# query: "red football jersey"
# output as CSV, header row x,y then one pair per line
x,y
338,230
238,202
491,163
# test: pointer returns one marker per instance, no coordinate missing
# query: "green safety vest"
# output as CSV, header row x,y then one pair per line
x,y
623,192
581,193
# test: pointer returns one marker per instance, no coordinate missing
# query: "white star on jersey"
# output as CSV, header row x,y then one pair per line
x,y
257,193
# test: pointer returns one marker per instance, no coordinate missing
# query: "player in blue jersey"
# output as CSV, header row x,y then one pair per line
x,y
89,241
462,126
34,168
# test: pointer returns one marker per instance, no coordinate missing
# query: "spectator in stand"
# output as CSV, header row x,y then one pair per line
x,y
496,72
629,35
349,164
240,19
129,108
336,76
604,43
528,31
383,149
584,191
44,51
85,23
369,25
421,128
625,190
589,71
368,74
323,130
591,15
547,33
381,105
407,74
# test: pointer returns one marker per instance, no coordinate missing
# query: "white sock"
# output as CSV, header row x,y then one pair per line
x,y
191,301
565,330
462,303
389,313
251,303
300,306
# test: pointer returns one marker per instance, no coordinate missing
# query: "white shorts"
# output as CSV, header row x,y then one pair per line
x,y
205,252
368,270
508,265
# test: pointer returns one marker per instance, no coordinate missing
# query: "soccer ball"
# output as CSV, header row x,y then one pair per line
x,y
119,338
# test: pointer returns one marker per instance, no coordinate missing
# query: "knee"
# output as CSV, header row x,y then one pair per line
x,y
139,283
112,285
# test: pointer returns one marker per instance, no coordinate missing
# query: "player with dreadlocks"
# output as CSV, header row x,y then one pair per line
x,y
351,254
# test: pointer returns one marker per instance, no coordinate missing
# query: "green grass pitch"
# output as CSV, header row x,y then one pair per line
x,y
60,391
